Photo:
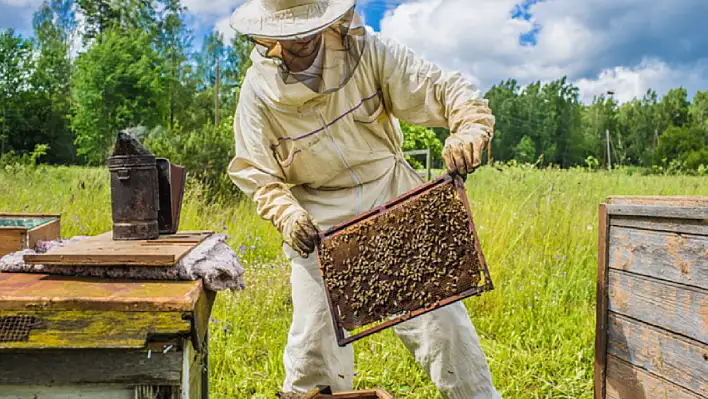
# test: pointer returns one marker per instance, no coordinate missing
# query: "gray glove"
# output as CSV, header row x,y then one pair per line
x,y
301,233
463,150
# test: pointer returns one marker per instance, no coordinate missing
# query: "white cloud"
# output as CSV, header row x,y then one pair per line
x,y
212,8
22,3
631,82
17,14
222,26
596,43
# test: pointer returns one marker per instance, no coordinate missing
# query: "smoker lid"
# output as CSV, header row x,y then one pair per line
x,y
127,145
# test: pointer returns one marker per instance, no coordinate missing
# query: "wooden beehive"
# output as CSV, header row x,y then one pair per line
x,y
22,231
652,298
74,337
408,257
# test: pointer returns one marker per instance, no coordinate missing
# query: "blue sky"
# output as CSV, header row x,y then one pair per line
x,y
626,46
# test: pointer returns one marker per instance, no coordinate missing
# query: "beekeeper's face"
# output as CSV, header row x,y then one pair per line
x,y
298,54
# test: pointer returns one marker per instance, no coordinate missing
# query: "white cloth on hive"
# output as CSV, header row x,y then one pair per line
x,y
212,261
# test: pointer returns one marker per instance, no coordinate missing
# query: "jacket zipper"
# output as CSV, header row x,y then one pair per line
x,y
341,158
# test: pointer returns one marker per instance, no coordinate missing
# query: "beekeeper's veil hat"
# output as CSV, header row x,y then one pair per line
x,y
340,43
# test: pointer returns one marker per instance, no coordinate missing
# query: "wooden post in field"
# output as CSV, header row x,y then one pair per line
x,y
429,164
607,139
216,96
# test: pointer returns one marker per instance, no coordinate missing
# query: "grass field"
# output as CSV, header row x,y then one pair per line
x,y
538,232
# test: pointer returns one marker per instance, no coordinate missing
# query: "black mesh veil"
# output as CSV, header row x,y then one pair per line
x,y
334,54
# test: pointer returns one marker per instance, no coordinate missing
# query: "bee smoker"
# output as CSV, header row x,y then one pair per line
x,y
146,192
134,190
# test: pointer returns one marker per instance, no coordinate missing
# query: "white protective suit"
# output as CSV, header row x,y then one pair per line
x,y
336,156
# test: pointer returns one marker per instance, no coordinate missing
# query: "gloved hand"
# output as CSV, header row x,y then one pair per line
x,y
463,151
300,232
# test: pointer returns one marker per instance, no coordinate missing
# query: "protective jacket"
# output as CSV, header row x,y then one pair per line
x,y
338,155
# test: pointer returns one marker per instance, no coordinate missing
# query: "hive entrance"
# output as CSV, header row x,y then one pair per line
x,y
413,255
16,328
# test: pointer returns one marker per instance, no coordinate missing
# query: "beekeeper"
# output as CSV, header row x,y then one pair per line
x,y
318,142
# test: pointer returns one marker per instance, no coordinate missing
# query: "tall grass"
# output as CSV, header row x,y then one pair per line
x,y
539,235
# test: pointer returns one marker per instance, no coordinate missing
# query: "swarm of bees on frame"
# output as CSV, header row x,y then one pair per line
x,y
411,257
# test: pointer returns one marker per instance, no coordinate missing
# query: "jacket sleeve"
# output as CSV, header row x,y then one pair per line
x,y
254,169
420,92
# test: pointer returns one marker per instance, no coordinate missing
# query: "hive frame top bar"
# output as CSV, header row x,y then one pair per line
x,y
391,204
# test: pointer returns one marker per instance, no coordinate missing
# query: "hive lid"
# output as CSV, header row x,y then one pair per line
x,y
670,207
102,250
36,291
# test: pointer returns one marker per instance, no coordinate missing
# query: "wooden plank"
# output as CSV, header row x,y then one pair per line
x,y
371,394
192,387
681,258
64,392
680,201
601,306
70,367
37,291
46,232
682,310
673,358
97,329
185,237
200,321
682,226
102,250
11,240
625,381
659,211
204,352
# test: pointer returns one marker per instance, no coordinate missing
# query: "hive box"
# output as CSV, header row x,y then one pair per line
x,y
652,298
22,231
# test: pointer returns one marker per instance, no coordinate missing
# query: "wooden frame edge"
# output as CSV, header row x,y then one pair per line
x,y
600,367
22,215
44,232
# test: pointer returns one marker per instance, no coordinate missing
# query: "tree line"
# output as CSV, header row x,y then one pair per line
x,y
68,89
547,123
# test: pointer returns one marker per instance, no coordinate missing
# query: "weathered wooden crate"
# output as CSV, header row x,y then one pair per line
x,y
22,231
70,337
652,298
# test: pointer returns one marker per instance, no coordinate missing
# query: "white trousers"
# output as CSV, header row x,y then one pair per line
x,y
443,342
